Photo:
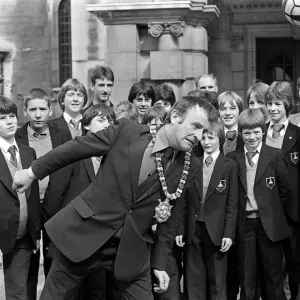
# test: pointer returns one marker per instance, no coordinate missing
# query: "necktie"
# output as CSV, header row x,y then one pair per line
x,y
208,160
13,156
250,155
75,124
230,135
276,130
36,135
167,156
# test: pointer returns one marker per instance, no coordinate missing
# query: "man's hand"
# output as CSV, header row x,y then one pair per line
x,y
163,281
38,246
226,244
179,241
22,181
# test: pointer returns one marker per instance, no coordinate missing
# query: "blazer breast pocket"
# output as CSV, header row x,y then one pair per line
x,y
83,209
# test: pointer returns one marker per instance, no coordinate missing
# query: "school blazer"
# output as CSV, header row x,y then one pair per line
x,y
271,190
291,149
61,124
10,205
220,205
114,199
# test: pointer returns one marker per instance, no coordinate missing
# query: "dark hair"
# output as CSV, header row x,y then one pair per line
x,y
165,92
188,102
281,91
126,109
141,88
210,96
212,76
231,97
155,112
36,93
216,128
251,119
101,72
7,106
71,84
93,111
259,90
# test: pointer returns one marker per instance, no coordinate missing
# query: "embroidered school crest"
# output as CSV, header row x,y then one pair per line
x,y
221,186
270,182
295,157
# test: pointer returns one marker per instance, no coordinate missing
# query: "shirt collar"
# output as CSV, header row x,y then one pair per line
x,y
68,118
214,155
161,141
286,123
31,131
234,129
4,144
258,149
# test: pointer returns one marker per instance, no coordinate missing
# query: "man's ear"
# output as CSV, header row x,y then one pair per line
x,y
87,127
50,111
217,88
91,86
25,111
174,117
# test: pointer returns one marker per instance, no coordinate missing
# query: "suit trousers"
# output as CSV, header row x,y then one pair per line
x,y
255,247
66,277
205,267
15,267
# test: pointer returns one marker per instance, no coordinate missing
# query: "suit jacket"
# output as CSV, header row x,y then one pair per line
x,y
10,205
271,190
295,119
61,124
221,202
113,199
291,149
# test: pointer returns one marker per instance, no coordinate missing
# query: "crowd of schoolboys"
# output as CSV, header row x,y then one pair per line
x,y
240,231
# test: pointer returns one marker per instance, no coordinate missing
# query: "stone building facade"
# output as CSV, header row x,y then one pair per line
x,y
44,42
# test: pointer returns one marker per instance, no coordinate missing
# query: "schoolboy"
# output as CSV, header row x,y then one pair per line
x,y
284,135
20,214
263,193
80,176
72,97
230,105
212,199
164,96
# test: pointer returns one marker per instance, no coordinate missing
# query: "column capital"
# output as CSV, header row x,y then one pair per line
x,y
156,29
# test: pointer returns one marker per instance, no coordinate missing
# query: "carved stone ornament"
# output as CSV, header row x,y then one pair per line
x,y
156,29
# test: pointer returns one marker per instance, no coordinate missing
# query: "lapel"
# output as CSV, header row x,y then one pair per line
x,y
242,167
137,149
5,175
22,135
62,125
26,160
54,136
216,175
263,162
88,164
152,184
289,138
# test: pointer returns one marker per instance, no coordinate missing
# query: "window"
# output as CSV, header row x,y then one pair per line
x,y
65,46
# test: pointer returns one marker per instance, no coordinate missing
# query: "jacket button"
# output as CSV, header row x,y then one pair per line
x,y
130,211
196,215
16,222
245,196
17,204
114,227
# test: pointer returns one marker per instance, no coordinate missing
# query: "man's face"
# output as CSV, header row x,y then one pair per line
x,y
187,131
252,138
8,125
98,123
254,103
73,101
206,83
276,111
38,113
210,142
142,103
165,104
229,114
102,89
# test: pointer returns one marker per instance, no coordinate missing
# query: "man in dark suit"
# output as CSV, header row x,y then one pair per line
x,y
72,97
109,223
212,199
20,214
263,195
